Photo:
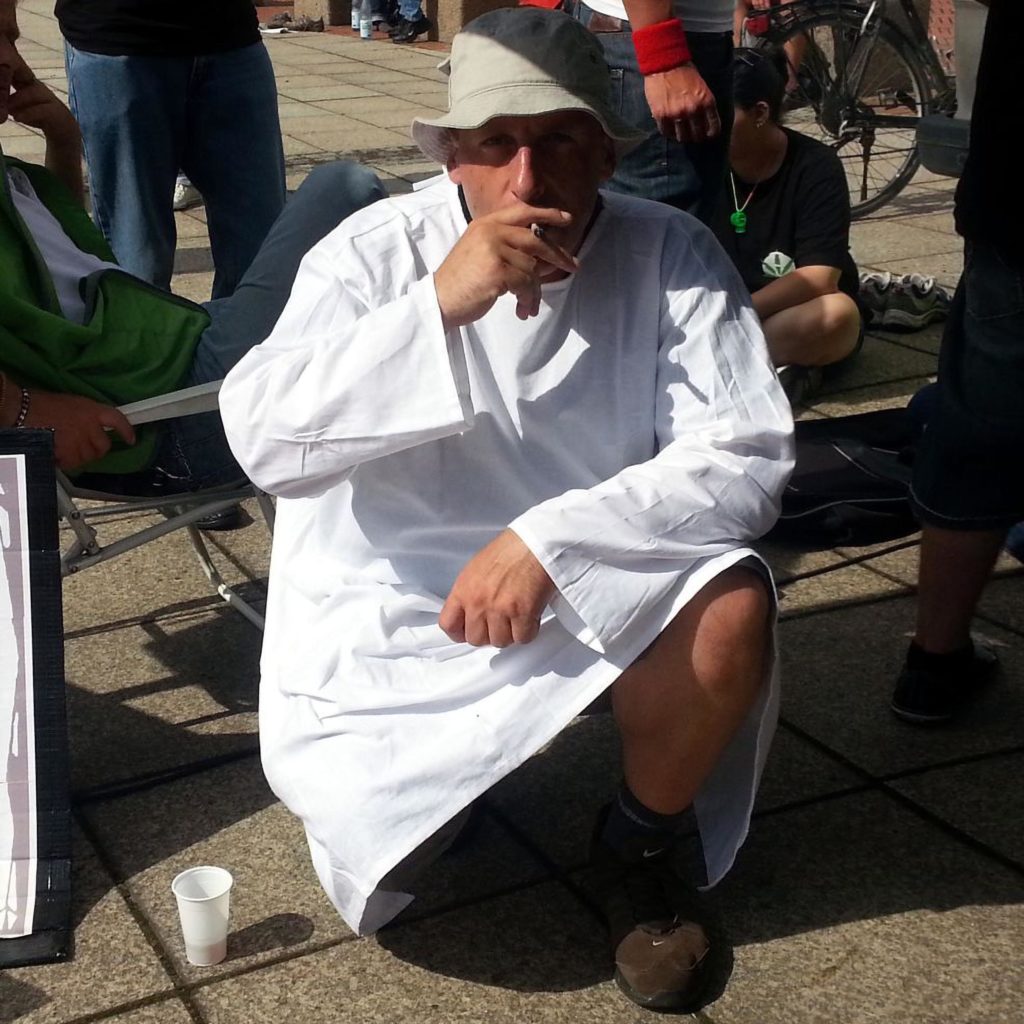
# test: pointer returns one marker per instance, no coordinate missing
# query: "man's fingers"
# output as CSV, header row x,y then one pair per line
x,y
453,621
713,122
499,630
525,629
522,215
115,420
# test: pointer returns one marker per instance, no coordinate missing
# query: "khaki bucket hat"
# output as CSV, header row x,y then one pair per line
x,y
520,61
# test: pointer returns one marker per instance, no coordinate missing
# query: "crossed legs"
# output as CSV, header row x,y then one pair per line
x,y
815,333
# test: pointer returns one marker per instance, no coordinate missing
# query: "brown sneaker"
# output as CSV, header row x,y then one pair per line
x,y
657,938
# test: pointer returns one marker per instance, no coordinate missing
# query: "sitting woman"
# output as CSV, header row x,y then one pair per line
x,y
784,218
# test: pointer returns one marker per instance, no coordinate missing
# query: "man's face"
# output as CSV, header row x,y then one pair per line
x,y
546,160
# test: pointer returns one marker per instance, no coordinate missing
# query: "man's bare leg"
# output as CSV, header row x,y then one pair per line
x,y
680,704
955,566
677,707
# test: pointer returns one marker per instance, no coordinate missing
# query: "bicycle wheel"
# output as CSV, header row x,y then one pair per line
x,y
863,101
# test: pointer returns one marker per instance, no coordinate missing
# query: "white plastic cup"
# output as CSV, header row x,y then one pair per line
x,y
203,896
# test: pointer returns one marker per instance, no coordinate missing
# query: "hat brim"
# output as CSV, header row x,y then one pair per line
x,y
431,134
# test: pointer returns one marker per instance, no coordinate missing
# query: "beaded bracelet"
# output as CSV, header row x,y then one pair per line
x,y
661,46
26,401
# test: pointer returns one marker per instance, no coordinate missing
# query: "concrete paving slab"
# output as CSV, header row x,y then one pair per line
x,y
878,361
983,799
372,109
348,141
840,667
927,339
162,575
843,585
926,930
902,565
1001,602
867,399
167,1011
228,816
787,560
113,962
146,699
535,956
875,241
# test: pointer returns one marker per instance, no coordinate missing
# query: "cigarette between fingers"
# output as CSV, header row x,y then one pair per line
x,y
538,230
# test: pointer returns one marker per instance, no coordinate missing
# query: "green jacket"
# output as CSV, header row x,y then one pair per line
x,y
137,340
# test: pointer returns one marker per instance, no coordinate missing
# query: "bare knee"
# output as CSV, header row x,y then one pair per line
x,y
733,628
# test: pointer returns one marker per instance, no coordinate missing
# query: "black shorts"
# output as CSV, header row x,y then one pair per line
x,y
969,474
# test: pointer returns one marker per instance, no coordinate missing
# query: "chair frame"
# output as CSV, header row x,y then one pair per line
x,y
182,511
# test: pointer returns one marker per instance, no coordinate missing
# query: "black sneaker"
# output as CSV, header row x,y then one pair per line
x,y
398,26
658,941
408,32
935,697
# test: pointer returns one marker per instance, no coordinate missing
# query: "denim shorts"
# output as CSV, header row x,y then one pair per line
x,y
969,473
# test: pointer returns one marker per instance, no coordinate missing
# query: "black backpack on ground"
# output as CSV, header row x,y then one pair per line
x,y
851,483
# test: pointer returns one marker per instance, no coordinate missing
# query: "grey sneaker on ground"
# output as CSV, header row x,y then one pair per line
x,y
186,195
910,301
657,939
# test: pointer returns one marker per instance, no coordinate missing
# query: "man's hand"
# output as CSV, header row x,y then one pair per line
x,y
34,105
498,597
682,105
500,253
81,426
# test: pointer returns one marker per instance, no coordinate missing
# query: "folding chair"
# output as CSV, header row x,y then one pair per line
x,y
181,511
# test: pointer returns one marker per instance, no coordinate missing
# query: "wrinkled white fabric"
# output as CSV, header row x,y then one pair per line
x,y
633,434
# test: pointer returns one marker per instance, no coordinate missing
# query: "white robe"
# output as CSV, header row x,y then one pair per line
x,y
633,434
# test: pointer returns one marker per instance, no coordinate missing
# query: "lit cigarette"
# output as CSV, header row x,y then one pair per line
x,y
538,230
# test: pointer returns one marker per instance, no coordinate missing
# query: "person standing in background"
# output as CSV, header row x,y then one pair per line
x,y
672,60
968,485
159,88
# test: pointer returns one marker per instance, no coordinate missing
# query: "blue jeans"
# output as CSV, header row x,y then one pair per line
x,y
214,117
194,452
969,473
685,175
410,9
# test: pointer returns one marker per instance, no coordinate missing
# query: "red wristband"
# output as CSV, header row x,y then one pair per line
x,y
661,46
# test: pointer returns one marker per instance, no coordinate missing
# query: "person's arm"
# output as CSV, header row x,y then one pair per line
x,y
33,104
349,374
681,103
82,429
605,555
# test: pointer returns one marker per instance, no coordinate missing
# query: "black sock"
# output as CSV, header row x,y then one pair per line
x,y
952,661
631,823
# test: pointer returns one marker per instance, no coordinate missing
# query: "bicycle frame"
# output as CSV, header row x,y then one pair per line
x,y
781,16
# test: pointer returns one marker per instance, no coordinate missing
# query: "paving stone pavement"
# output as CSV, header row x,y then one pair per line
x,y
884,874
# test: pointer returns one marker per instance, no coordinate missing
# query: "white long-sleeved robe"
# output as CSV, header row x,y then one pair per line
x,y
633,434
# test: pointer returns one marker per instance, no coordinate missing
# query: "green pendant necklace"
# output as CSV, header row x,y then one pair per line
x,y
738,217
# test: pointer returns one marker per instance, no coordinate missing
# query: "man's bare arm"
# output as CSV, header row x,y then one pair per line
x,y
681,103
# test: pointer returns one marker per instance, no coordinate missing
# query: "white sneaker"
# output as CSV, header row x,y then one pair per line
x,y
186,195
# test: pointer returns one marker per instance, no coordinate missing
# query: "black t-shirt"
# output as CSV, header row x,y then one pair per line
x,y
155,28
802,211
988,203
